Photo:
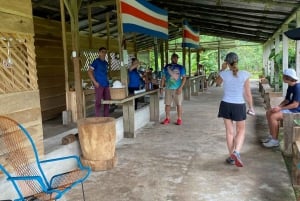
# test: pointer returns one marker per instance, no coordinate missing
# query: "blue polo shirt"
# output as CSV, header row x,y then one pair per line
x,y
100,68
134,78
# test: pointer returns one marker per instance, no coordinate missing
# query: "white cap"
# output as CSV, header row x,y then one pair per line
x,y
291,73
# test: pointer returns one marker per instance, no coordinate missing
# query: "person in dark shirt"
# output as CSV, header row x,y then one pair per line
x,y
98,74
134,78
289,105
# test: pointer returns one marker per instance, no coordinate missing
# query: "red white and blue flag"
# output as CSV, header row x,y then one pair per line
x,y
142,17
190,38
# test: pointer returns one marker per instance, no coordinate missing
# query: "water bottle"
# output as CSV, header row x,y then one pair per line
x,y
150,85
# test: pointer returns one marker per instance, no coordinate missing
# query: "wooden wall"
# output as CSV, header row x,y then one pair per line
x,y
21,104
50,67
50,63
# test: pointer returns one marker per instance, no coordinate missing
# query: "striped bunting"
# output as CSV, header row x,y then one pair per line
x,y
190,37
142,17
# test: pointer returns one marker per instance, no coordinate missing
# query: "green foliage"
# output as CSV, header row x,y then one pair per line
x,y
278,68
250,57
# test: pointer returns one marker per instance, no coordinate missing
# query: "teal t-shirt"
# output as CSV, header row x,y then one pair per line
x,y
173,74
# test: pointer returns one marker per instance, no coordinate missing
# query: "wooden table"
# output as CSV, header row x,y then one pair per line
x,y
129,110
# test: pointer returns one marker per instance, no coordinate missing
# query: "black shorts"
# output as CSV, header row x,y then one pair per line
x,y
233,111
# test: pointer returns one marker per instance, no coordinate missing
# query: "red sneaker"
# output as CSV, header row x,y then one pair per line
x,y
166,121
179,122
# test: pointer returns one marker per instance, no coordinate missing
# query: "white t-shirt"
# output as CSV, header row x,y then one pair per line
x,y
234,86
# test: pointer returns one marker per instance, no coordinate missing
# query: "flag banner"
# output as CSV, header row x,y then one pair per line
x,y
190,37
142,17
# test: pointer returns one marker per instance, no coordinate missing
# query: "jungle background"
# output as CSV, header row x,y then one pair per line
x,y
250,57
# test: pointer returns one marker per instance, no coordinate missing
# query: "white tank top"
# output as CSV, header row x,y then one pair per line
x,y
233,86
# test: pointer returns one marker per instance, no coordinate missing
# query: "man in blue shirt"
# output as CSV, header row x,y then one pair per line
x,y
98,74
173,78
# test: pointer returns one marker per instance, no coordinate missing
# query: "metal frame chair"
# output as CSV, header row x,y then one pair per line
x,y
20,162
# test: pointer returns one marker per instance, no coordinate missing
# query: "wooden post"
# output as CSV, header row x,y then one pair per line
x,y
190,67
90,26
73,8
183,56
124,74
155,52
108,44
166,51
63,27
198,61
162,57
288,128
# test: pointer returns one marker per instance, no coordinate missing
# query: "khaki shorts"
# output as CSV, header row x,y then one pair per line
x,y
170,95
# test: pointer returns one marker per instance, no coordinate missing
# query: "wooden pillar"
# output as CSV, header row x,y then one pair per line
x,y
183,56
108,44
162,55
90,26
219,57
155,52
166,51
297,52
66,58
285,52
198,61
190,65
121,40
73,8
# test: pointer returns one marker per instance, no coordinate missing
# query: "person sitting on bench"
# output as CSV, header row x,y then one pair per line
x,y
289,105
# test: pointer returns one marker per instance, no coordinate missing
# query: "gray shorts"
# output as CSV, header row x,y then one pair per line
x,y
170,96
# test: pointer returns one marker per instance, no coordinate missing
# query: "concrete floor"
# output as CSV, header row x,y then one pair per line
x,y
186,163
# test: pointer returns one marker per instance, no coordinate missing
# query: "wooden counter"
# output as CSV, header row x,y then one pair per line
x,y
129,111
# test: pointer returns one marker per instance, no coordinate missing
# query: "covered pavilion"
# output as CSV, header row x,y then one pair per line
x,y
44,44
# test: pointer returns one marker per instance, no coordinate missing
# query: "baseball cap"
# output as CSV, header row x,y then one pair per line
x,y
291,73
174,55
231,58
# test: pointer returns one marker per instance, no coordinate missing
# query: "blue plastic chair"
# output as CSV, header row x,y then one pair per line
x,y
20,162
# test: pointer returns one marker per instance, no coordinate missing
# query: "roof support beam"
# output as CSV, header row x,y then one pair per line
x,y
73,9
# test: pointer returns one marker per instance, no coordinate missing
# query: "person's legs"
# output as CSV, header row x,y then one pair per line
x,y
240,135
178,101
167,110
273,123
229,135
131,91
268,116
235,142
235,136
168,101
106,96
98,97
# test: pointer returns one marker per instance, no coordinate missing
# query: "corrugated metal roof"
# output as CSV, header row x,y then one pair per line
x,y
249,20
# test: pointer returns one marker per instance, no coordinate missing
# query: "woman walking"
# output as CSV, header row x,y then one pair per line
x,y
237,92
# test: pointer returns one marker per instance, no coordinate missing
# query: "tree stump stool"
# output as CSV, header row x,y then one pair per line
x,y
97,137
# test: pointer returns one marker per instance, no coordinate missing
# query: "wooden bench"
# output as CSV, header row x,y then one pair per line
x,y
288,131
266,88
296,156
262,81
129,110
